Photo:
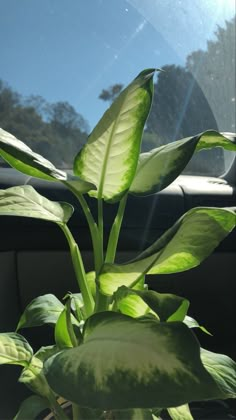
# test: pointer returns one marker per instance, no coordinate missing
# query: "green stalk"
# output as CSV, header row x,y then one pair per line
x,y
115,231
102,301
100,227
92,227
76,412
69,325
79,271
57,409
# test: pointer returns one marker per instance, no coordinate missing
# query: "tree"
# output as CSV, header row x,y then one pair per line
x,y
111,93
214,70
53,130
179,106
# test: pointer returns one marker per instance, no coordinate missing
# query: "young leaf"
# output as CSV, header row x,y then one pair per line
x,y
62,337
44,309
31,407
124,363
161,166
180,413
22,158
33,377
185,245
168,307
25,201
14,349
192,323
65,335
109,158
129,303
223,371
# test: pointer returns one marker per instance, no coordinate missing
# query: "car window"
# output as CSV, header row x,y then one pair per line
x,y
62,64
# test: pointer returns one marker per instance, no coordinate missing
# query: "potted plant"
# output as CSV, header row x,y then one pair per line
x,y
121,351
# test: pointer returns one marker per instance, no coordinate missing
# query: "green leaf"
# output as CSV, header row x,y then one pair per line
x,y
14,349
25,201
124,363
192,323
109,158
62,337
45,352
31,407
184,246
90,277
180,413
222,369
161,166
33,376
168,307
44,309
22,158
129,303
212,138
136,303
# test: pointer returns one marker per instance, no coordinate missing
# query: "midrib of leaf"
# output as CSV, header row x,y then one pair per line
x,y
108,148
22,362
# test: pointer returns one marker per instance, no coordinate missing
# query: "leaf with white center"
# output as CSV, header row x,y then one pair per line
x,y
31,407
180,413
110,156
24,201
184,246
222,369
44,309
125,363
161,166
14,349
212,138
22,158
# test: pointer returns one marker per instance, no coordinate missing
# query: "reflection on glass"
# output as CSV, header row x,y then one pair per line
x,y
62,65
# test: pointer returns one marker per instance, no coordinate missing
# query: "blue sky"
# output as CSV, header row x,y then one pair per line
x,y
71,49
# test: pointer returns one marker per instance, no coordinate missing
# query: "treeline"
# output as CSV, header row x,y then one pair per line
x,y
193,98
187,100
56,130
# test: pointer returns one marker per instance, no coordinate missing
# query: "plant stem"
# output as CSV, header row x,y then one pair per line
x,y
100,227
102,301
92,227
115,231
69,325
79,270
56,409
76,412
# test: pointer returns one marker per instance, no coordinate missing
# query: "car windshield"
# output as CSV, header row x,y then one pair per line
x,y
63,63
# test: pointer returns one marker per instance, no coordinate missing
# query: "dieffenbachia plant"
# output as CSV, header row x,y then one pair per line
x,y
121,351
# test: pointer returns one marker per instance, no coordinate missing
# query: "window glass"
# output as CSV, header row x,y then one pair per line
x,y
62,64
